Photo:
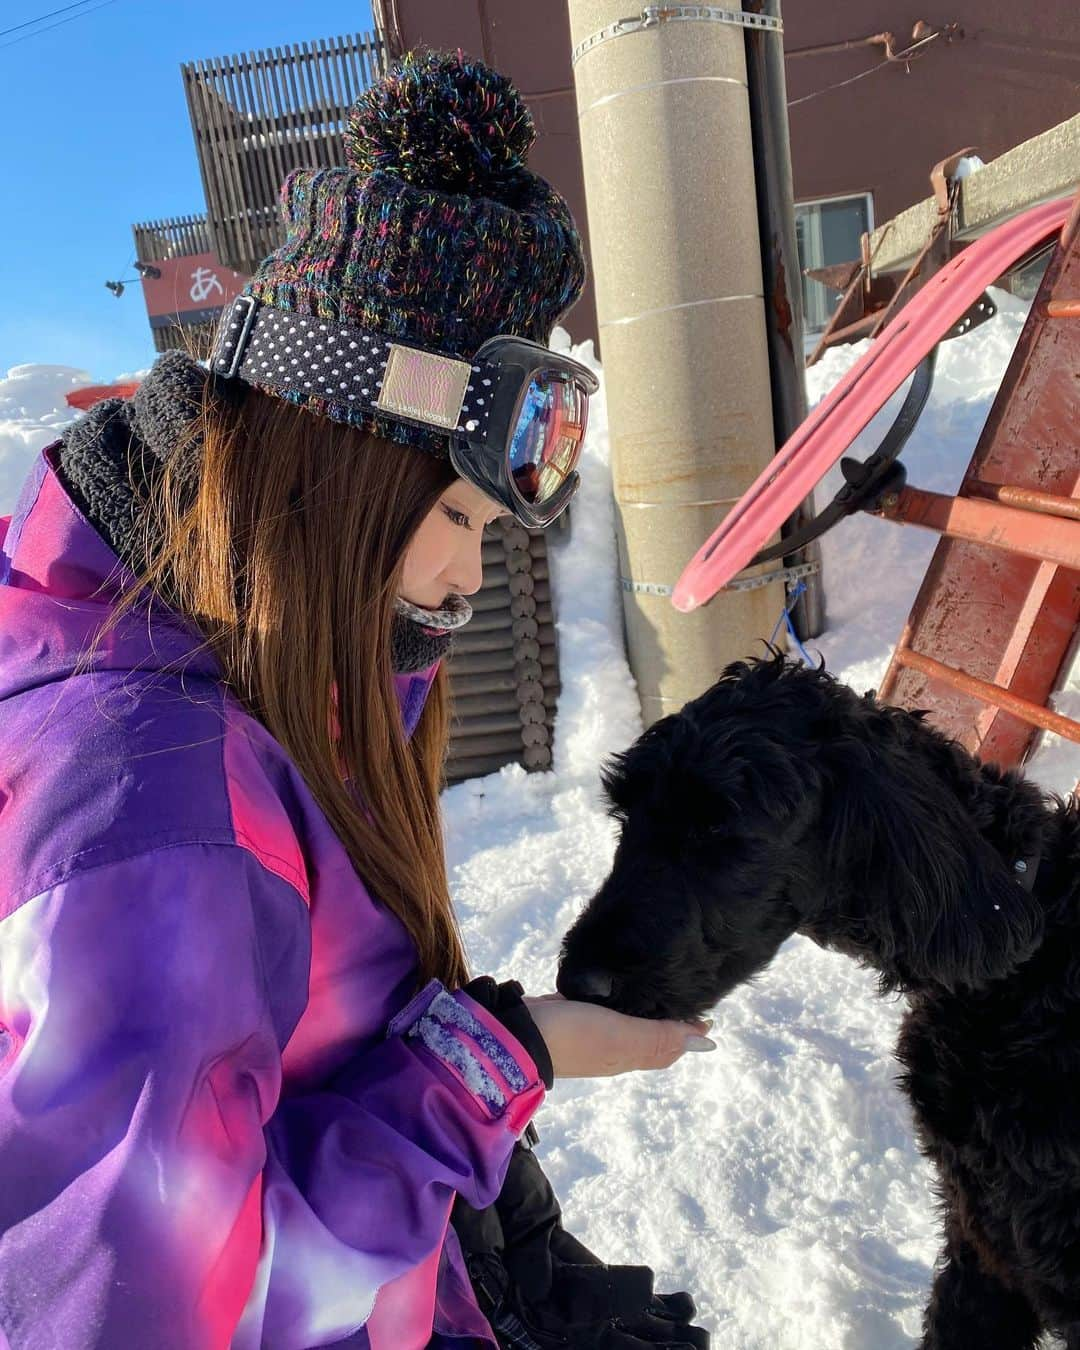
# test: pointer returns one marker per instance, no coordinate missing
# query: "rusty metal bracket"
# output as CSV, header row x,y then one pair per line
x,y
1034,714
982,310
863,298
983,520
936,252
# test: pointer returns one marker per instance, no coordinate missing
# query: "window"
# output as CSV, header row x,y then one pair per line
x,y
827,232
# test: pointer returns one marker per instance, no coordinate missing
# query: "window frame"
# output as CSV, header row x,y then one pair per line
x,y
811,334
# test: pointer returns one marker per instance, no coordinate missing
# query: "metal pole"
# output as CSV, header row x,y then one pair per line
x,y
781,273
1052,539
669,182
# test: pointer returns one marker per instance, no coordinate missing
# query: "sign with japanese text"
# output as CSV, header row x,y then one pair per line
x,y
192,289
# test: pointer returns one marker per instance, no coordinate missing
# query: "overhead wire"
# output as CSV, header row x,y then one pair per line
x,y
42,17
889,61
49,27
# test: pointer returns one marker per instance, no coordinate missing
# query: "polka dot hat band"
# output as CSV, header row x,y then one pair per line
x,y
284,352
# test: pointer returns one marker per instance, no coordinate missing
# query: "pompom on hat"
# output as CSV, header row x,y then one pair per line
x,y
437,235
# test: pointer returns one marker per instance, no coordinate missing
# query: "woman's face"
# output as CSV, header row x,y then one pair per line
x,y
444,554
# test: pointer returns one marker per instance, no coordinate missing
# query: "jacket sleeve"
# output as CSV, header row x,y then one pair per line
x,y
158,1191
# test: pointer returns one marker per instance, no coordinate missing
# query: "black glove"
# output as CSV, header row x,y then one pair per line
x,y
541,1289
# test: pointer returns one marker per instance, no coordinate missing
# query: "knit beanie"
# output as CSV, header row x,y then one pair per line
x,y
436,235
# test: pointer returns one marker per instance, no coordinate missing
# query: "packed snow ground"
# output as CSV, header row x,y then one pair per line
x,y
776,1177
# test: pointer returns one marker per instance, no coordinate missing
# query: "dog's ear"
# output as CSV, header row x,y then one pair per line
x,y
746,780
709,781
931,900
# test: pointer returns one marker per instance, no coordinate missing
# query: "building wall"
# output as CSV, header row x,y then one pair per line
x,y
529,41
1013,73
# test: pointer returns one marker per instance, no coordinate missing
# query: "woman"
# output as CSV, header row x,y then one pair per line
x,y
238,1093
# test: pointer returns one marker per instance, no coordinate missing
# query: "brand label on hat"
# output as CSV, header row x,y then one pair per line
x,y
423,385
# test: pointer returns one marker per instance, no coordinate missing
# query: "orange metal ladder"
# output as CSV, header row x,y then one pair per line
x,y
995,624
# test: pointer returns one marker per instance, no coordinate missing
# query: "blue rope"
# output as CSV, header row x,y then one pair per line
x,y
784,621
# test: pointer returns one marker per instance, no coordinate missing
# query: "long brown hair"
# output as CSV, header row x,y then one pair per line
x,y
287,554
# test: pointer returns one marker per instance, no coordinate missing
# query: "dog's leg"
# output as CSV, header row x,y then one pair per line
x,y
970,1308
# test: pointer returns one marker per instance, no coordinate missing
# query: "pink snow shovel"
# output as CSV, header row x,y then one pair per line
x,y
905,343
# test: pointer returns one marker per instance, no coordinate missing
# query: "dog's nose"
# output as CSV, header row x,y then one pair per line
x,y
585,983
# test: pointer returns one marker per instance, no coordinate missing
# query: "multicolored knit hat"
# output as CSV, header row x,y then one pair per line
x,y
437,235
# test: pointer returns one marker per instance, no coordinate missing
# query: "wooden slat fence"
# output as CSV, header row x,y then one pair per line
x,y
175,237
259,115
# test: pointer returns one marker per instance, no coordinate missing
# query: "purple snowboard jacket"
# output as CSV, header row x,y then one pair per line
x,y
226,1119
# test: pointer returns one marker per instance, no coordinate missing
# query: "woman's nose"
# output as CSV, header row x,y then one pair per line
x,y
468,570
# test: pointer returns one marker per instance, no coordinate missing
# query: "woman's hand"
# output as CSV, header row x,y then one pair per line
x,y
586,1040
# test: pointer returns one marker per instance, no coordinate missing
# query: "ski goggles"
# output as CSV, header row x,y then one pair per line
x,y
515,414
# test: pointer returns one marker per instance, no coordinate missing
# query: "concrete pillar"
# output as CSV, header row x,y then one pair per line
x,y
669,184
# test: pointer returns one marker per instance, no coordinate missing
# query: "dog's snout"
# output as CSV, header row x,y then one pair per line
x,y
586,983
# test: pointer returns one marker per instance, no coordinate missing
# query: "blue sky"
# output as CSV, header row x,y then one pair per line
x,y
96,137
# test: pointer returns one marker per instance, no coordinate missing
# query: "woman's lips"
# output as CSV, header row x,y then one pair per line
x,y
427,604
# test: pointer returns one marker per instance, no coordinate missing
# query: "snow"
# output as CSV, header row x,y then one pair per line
x,y
967,166
33,413
776,1177
32,408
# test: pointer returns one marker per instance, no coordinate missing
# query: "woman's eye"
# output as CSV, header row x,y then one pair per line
x,y
458,517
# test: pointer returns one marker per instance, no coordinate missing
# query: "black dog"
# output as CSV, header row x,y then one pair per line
x,y
779,801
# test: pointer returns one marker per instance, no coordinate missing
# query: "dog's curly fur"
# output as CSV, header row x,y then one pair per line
x,y
780,801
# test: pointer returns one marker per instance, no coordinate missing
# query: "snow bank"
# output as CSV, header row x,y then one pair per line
x,y
32,407
33,412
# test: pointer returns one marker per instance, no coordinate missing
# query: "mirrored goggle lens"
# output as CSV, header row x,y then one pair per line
x,y
546,444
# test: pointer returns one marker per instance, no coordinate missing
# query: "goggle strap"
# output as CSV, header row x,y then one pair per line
x,y
361,366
